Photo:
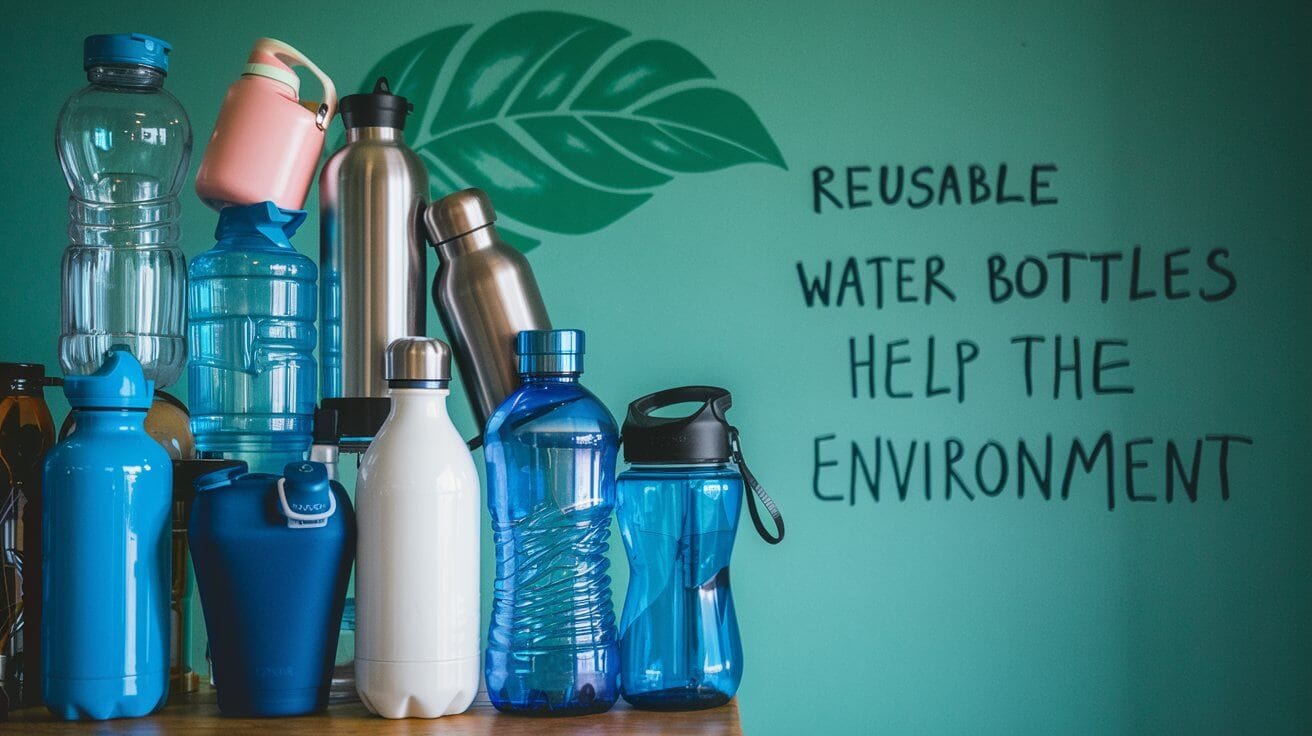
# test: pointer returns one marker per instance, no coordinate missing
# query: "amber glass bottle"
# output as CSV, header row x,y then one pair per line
x,y
27,433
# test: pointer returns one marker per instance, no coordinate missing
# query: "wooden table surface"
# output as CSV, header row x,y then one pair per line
x,y
198,714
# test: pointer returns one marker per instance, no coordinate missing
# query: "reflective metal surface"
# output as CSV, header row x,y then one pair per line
x,y
418,359
459,214
372,195
485,294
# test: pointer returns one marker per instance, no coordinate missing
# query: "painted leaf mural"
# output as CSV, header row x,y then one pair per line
x,y
567,122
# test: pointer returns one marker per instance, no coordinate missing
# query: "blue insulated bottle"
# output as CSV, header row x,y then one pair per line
x,y
550,451
272,557
107,539
678,513
251,375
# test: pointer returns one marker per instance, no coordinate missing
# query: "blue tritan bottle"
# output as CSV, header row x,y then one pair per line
x,y
678,512
106,551
272,557
251,374
550,450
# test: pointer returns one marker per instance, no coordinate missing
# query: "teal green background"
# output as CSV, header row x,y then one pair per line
x,y
1172,126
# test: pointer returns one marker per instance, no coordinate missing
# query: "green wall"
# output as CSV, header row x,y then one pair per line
x,y
1170,128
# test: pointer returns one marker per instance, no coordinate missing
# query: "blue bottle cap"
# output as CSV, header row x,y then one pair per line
x,y
220,478
126,48
119,383
305,495
263,219
550,351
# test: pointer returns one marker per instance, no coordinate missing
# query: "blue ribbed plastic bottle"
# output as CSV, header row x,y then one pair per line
x,y
107,536
124,142
550,451
251,374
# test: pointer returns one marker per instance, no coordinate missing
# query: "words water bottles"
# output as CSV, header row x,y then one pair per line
x,y
416,578
106,545
124,143
550,451
251,377
678,513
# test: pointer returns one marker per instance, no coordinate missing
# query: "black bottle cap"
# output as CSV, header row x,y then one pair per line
x,y
350,423
26,379
377,109
700,437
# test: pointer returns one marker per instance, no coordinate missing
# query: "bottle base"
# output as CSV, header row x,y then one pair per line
x,y
417,689
162,357
76,699
273,703
518,695
677,699
545,709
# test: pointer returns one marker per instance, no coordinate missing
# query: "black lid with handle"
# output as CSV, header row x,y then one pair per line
x,y
700,437
704,436
377,109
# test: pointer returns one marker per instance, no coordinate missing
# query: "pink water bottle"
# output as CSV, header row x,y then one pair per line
x,y
266,142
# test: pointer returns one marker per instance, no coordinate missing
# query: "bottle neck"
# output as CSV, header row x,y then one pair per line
x,y
678,467
111,420
373,133
548,378
135,76
484,237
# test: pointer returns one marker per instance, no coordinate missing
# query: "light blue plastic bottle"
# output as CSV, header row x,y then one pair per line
x,y
552,647
251,374
124,142
107,525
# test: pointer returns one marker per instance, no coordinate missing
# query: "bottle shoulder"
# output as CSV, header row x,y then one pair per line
x,y
238,259
87,450
541,406
367,160
145,107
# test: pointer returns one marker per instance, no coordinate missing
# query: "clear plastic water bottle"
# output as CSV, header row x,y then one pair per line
x,y
552,647
251,375
124,143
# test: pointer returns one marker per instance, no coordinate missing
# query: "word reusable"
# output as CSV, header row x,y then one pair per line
x,y
857,187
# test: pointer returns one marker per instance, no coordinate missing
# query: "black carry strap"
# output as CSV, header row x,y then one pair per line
x,y
755,491
703,436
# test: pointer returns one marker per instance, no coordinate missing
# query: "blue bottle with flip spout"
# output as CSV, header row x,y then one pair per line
x,y
678,512
272,557
107,513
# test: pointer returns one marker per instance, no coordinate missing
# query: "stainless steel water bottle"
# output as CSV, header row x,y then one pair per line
x,y
485,294
372,195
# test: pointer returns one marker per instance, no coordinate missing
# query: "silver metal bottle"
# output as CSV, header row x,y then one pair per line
x,y
372,195
485,294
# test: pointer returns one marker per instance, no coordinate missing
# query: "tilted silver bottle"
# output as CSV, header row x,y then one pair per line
x,y
485,294
372,195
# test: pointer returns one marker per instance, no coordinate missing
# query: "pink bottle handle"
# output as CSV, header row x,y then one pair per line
x,y
275,53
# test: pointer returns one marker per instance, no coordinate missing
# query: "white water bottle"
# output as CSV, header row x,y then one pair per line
x,y
416,574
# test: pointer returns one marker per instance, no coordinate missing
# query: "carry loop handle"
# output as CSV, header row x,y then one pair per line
x,y
719,399
755,491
